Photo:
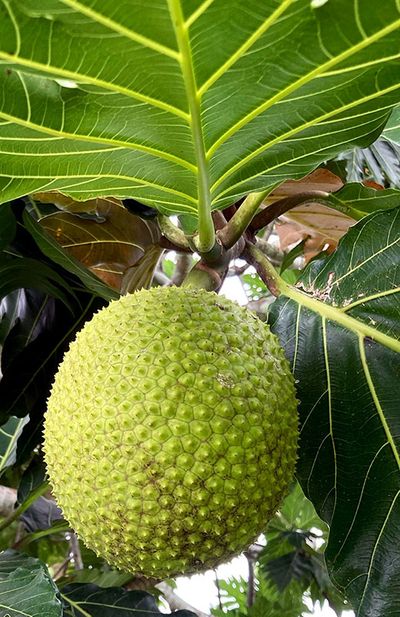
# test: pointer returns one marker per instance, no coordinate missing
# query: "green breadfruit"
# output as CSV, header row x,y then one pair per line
x,y
171,431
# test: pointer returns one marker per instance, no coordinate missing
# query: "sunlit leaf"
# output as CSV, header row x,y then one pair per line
x,y
180,103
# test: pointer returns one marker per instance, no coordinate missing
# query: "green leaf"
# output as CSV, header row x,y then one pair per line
x,y
32,478
58,528
340,328
108,578
392,129
92,601
297,512
187,105
8,226
357,200
254,287
233,593
9,434
290,257
26,589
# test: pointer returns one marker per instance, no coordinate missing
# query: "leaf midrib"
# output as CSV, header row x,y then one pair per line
x,y
334,314
206,226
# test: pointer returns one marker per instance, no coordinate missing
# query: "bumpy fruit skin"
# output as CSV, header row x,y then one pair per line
x,y
171,431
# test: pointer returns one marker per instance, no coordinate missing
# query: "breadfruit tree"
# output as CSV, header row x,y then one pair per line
x,y
153,155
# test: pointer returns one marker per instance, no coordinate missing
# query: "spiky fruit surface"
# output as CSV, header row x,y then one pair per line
x,y
171,431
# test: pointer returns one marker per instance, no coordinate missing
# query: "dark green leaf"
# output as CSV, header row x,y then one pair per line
x,y
41,515
26,589
17,273
295,565
340,329
27,376
8,226
92,601
32,478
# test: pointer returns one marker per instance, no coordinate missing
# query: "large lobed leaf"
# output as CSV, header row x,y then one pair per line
x,y
184,104
392,129
26,588
341,331
92,601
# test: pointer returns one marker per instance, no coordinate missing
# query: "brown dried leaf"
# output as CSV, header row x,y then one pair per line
x,y
318,180
110,246
321,226
67,203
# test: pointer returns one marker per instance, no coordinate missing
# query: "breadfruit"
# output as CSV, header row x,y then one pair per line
x,y
171,431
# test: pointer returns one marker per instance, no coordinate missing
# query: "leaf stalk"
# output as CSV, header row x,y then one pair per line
x,y
172,232
242,218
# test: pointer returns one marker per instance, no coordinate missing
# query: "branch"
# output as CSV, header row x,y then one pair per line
x,y
175,602
183,265
276,209
274,255
219,219
251,592
76,551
